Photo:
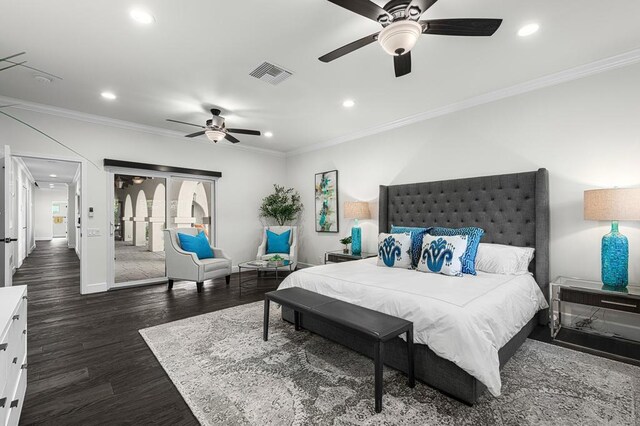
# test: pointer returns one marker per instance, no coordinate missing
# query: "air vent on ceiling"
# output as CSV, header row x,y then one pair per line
x,y
270,73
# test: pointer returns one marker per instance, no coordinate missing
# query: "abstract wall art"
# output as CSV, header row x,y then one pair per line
x,y
327,201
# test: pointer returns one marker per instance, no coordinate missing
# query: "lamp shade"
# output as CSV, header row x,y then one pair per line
x,y
612,204
356,210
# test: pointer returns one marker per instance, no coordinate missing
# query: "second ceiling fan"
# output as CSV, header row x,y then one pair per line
x,y
402,27
216,129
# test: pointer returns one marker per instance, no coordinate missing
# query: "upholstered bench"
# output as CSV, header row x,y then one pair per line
x,y
372,325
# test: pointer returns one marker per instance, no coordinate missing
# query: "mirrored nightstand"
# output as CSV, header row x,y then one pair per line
x,y
593,316
337,256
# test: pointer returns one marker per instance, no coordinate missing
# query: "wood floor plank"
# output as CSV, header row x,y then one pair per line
x,y
87,362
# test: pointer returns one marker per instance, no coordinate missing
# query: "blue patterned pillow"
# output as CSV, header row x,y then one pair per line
x,y
443,255
474,235
394,250
417,234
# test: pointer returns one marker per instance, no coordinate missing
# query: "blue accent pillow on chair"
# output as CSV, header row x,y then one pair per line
x,y
417,235
278,243
198,245
473,241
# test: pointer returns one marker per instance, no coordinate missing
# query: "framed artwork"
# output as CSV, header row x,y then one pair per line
x,y
327,201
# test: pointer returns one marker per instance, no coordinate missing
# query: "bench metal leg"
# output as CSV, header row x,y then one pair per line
x,y
378,359
412,378
296,320
265,326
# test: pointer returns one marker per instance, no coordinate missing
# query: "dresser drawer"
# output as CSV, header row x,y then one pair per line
x,y
618,303
15,405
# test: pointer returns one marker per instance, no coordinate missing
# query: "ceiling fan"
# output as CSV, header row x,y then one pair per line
x,y
216,129
402,27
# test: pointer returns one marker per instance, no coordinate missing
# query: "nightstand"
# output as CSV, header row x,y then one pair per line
x,y
337,256
595,317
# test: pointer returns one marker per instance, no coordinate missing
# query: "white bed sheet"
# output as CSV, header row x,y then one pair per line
x,y
463,319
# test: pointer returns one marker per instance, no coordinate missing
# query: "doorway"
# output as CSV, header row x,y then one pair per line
x,y
40,205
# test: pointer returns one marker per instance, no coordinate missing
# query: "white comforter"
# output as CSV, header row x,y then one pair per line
x,y
463,319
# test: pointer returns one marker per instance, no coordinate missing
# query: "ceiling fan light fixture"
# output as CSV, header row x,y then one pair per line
x,y
400,37
215,135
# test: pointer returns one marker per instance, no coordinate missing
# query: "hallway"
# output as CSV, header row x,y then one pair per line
x,y
87,362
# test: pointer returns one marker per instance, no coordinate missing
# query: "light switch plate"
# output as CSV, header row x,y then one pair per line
x,y
93,232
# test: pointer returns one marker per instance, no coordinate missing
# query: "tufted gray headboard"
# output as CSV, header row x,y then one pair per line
x,y
512,209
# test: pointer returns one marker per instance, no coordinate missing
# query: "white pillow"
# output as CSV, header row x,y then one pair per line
x,y
503,259
394,250
443,254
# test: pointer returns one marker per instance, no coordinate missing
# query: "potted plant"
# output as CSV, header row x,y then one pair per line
x,y
346,241
283,205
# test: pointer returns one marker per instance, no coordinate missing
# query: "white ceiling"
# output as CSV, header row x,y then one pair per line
x,y
41,170
199,53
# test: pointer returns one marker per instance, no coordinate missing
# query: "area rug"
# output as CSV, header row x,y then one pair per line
x,y
228,375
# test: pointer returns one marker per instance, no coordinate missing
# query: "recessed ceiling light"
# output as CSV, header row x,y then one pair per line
x,y
349,103
53,175
268,134
528,29
141,16
108,95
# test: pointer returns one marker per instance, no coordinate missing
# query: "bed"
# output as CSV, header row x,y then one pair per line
x,y
513,209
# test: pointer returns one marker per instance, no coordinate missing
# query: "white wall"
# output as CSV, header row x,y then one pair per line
x,y
44,198
247,176
586,132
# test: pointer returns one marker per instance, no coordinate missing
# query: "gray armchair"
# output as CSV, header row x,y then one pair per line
x,y
292,256
184,265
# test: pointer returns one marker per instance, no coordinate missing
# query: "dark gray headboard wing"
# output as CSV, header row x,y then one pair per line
x,y
512,209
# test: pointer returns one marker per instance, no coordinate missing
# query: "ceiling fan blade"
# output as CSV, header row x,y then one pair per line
x,y
363,7
244,132
461,27
231,138
402,64
183,122
193,135
364,41
12,56
423,5
15,64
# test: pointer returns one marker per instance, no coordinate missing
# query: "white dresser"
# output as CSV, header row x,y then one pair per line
x,y
13,353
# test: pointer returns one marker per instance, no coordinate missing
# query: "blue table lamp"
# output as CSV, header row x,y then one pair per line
x,y
356,210
617,204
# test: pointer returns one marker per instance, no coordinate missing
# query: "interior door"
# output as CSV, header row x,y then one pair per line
x,y
7,236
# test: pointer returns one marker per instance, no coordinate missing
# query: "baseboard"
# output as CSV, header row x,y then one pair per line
x,y
44,238
32,248
95,288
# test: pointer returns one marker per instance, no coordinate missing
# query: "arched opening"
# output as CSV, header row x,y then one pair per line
x,y
140,220
193,205
156,220
127,217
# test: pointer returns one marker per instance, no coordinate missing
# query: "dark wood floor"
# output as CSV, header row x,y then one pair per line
x,y
87,362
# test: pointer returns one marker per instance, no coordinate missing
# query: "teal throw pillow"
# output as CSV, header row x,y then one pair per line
x,y
198,245
278,243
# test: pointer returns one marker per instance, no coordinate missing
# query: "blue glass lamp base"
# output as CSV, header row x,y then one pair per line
x,y
615,258
356,240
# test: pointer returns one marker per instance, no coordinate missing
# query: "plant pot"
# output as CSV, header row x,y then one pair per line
x,y
345,250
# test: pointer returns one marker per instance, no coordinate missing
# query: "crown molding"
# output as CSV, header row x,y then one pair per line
x,y
120,124
575,73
